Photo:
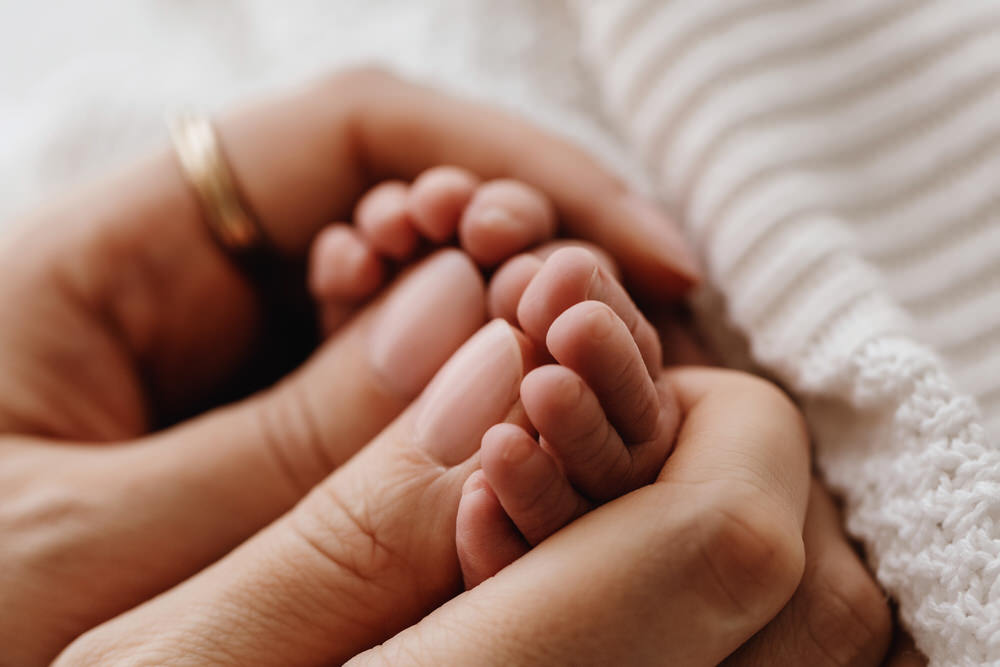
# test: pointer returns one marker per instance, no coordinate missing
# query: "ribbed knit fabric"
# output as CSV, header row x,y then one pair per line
x,y
837,165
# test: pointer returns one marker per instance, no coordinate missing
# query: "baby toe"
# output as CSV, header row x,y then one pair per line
x,y
572,425
383,219
512,278
570,276
437,199
531,488
503,218
508,284
600,255
485,538
343,266
593,341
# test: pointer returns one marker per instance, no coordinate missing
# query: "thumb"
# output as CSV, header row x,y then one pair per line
x,y
169,504
369,551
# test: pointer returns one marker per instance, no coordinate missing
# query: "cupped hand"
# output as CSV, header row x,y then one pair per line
x,y
119,307
700,568
121,314
685,570
838,615
91,529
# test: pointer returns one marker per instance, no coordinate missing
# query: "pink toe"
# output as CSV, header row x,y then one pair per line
x,y
573,424
528,483
504,218
509,283
383,219
571,276
437,199
591,339
563,280
485,538
343,266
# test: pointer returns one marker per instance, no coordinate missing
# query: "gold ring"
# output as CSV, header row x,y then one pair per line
x,y
205,168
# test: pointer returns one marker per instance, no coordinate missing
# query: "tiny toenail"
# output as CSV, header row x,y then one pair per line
x,y
600,323
517,451
497,218
569,392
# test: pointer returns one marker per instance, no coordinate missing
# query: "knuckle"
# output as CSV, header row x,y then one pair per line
x,y
291,436
345,535
767,393
847,616
354,570
753,559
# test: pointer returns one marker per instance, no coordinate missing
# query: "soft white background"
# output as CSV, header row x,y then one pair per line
x,y
84,86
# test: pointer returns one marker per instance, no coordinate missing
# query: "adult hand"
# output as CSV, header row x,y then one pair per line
x,y
702,559
120,313
838,614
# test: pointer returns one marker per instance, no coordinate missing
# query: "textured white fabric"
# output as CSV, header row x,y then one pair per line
x,y
837,165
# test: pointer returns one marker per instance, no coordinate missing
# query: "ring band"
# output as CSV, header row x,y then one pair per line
x,y
205,168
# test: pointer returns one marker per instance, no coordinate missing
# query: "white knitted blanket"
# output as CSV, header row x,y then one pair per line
x,y
837,165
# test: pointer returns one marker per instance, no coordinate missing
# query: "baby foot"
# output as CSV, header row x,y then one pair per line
x,y
394,221
605,425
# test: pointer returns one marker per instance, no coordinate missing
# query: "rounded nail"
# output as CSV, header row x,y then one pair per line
x,y
424,320
475,390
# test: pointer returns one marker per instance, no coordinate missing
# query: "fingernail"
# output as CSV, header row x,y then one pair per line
x,y
424,320
517,451
664,235
474,391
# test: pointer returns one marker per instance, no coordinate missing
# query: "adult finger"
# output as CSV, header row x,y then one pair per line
x,y
369,551
301,161
145,515
679,572
838,615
